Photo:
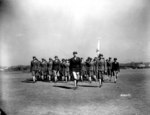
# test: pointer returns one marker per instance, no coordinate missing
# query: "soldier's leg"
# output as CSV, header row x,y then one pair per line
x,y
55,75
75,79
81,76
90,76
100,78
66,76
116,76
42,76
63,76
94,76
49,75
33,76
69,77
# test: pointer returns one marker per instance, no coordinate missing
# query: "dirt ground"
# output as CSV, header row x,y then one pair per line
x,y
129,96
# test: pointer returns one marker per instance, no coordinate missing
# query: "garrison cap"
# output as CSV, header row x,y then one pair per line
x,y
50,58
109,57
56,57
100,55
34,57
63,59
115,58
89,58
75,52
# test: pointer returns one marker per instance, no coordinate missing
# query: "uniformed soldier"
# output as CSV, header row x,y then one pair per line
x,y
62,69
56,68
75,65
115,69
67,71
34,68
83,69
44,69
92,69
109,68
50,72
39,73
89,67
101,68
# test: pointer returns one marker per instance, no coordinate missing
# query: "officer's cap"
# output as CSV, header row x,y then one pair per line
x,y
100,55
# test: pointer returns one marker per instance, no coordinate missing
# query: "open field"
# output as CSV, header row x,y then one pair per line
x,y
129,96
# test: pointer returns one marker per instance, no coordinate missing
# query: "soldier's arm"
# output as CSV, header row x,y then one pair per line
x,y
118,67
105,66
31,65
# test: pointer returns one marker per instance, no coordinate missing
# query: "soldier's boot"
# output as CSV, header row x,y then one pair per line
x,y
34,79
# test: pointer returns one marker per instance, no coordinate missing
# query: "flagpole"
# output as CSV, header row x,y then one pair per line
x,y
98,47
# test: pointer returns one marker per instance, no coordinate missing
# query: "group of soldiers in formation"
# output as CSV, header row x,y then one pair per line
x,y
75,69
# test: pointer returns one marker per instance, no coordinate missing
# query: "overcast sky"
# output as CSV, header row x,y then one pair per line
x,y
45,28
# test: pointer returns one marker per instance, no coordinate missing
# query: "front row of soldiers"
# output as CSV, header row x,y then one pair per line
x,y
75,69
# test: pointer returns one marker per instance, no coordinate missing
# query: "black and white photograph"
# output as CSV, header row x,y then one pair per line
x,y
74,57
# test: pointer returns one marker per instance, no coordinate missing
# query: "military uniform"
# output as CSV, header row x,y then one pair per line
x,y
83,69
50,66
100,68
109,67
75,66
89,66
115,68
56,68
62,68
44,68
34,67
67,71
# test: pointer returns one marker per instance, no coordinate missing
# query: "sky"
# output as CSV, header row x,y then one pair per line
x,y
45,28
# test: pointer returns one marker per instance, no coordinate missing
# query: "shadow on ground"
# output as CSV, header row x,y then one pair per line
x,y
88,86
64,87
28,81
107,81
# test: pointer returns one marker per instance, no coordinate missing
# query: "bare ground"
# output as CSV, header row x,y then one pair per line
x,y
129,96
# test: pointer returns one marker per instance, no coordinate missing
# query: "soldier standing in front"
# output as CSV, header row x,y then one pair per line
x,y
75,66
